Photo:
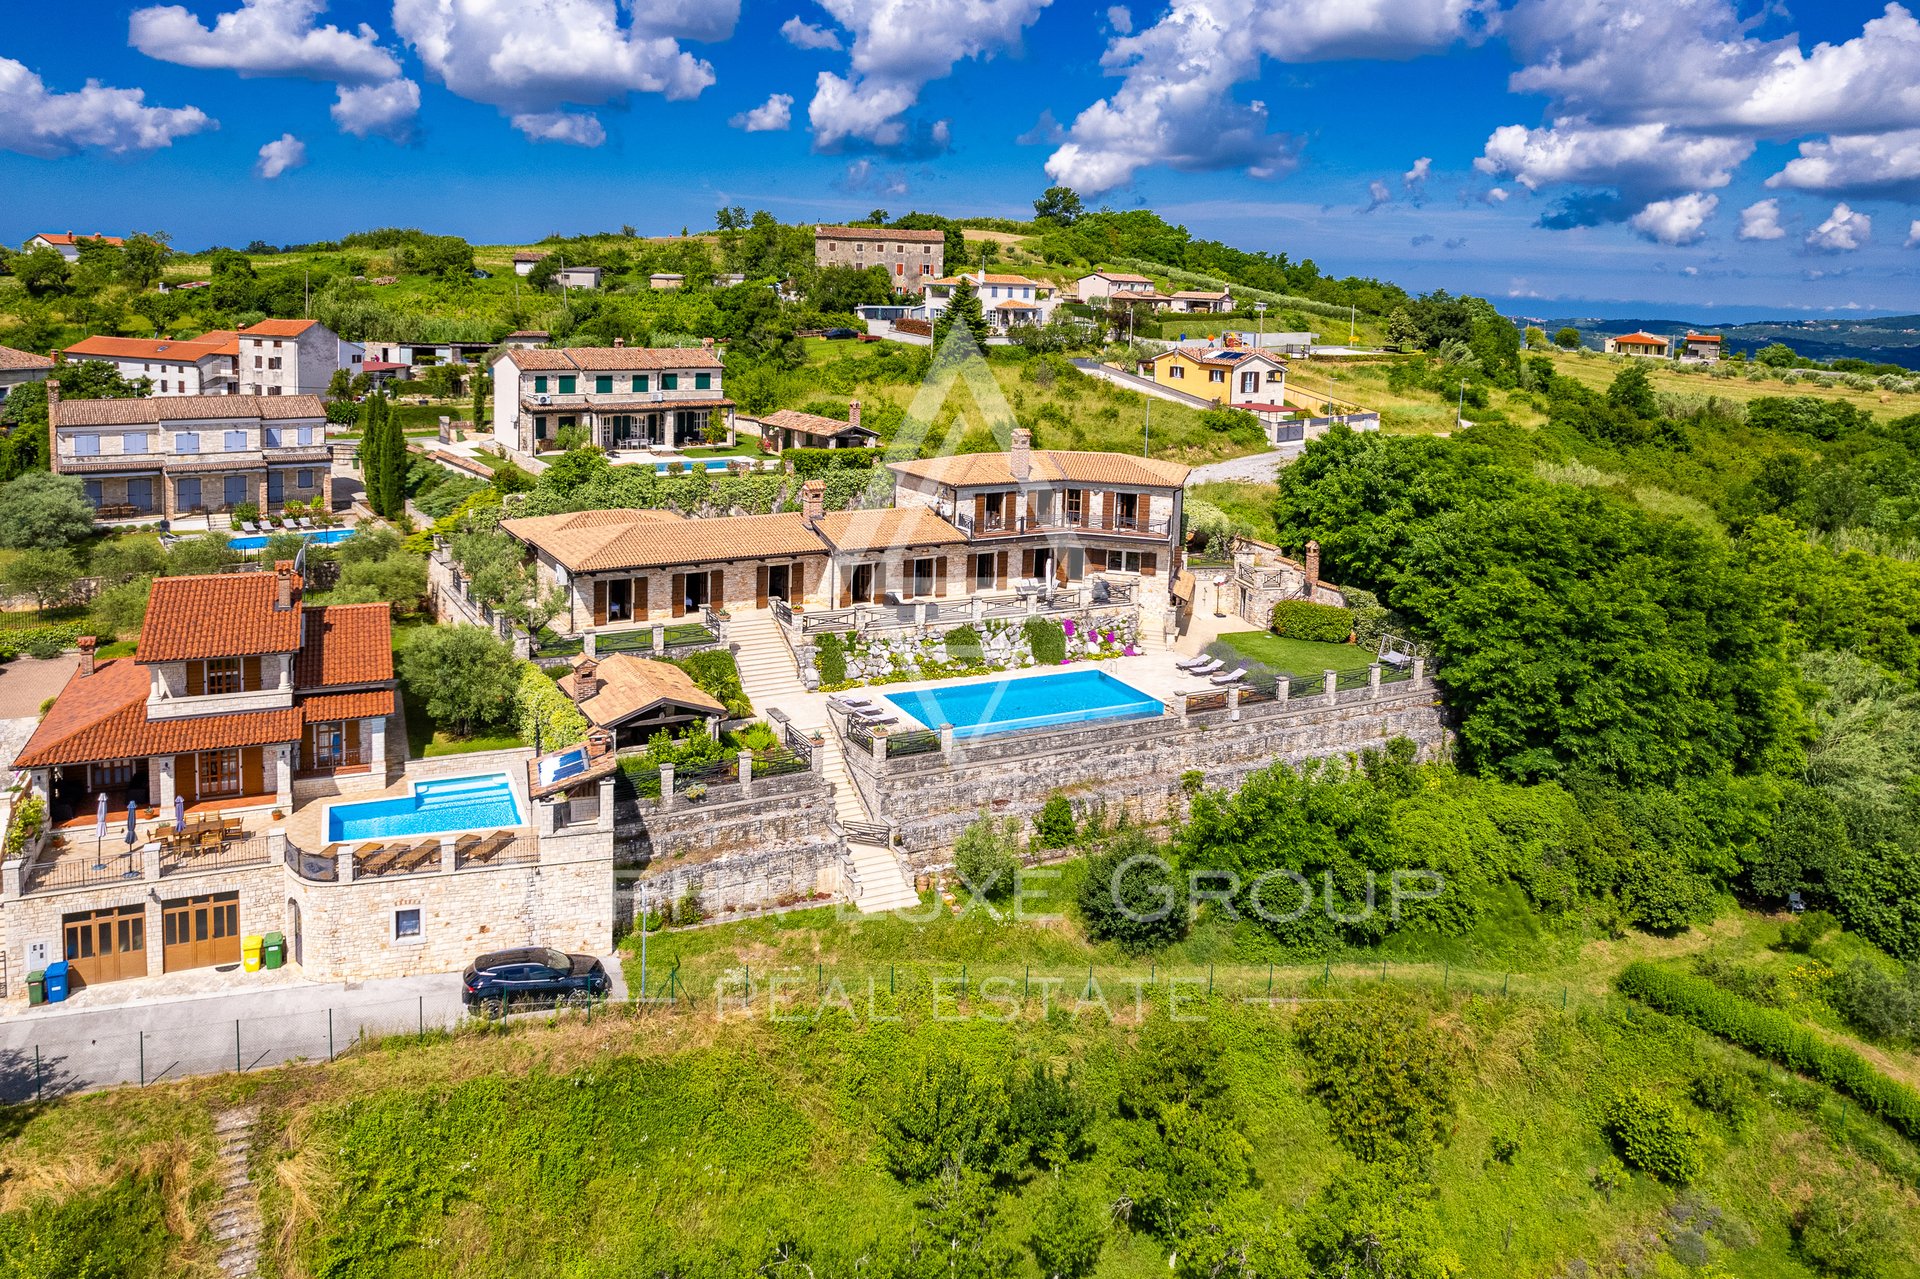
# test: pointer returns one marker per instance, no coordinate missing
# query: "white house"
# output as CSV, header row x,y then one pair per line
x,y
194,366
1006,300
67,244
525,260
1102,285
578,277
1201,302
623,397
293,357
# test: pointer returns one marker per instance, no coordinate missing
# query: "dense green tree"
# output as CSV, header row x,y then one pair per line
x,y
1567,338
40,510
1059,205
1632,391
463,675
42,272
48,575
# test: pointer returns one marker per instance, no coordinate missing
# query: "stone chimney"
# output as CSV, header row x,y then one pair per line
x,y
1313,565
599,742
586,679
283,585
706,344
86,645
619,342
853,413
53,391
1020,454
813,500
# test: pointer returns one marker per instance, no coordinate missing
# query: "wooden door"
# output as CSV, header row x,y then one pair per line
x,y
199,932
599,603
253,770
716,590
106,945
640,602
679,594
760,587
940,575
1000,571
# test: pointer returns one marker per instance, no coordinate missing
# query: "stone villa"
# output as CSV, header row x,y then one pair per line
x,y
623,397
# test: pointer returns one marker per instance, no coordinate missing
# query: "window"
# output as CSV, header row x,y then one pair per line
x,y
163,386
258,362
923,576
94,494
1076,505
639,381
274,362
603,385
133,442
1125,561
218,772
223,675
236,442
703,381
566,385
1216,375
187,442
1249,382
273,390
669,381
303,479
86,446
406,924
540,386
187,494
1175,371
270,437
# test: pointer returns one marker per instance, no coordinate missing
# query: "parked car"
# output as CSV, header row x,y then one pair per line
x,y
839,335
531,977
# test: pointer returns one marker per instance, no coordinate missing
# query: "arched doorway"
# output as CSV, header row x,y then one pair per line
x,y
293,929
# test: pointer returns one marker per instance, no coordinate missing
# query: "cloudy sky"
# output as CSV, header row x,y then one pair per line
x,y
1749,157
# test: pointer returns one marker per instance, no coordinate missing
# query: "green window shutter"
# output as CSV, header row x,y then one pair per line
x,y
639,381
703,381
540,386
669,381
603,386
566,386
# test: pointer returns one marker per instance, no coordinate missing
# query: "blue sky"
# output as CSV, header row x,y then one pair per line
x,y
1702,156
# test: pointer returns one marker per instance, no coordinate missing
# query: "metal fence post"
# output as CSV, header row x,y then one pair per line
x,y
236,1047
423,1015
329,1034
143,1059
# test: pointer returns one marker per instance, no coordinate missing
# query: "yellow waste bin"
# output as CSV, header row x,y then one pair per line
x,y
250,952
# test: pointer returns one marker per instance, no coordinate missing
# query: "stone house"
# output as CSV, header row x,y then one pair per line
x,y
1201,302
624,397
632,698
908,257
17,368
1264,576
293,357
793,429
205,365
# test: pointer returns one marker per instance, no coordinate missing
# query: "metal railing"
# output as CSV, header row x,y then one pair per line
x,y
248,850
78,867
859,737
778,761
798,743
712,773
913,741
869,833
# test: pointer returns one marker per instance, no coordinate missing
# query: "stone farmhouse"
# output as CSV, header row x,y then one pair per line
x,y
907,256
623,397
793,429
170,456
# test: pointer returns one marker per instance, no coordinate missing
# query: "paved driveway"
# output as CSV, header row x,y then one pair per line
x,y
162,1034
25,682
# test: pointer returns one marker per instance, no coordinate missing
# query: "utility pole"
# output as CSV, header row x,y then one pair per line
x,y
1350,323
1146,432
643,945
1460,411
306,290
1260,318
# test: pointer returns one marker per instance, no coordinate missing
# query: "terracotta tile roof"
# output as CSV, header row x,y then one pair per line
x,y
331,706
891,527
103,716
220,615
1202,295
528,255
990,279
68,237
187,408
182,351
1118,278
1649,339
1703,337
278,328
632,403
877,233
612,359
972,470
1015,306
606,541
630,685
542,334
12,359
811,423
345,644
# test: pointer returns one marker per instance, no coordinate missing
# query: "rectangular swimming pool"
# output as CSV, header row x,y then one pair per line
x,y
439,806
324,536
1039,701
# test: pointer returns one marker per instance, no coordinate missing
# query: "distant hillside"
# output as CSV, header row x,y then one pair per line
x,y
1888,339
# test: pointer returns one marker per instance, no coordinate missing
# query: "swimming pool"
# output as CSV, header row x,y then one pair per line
x,y
1009,705
442,805
324,536
711,466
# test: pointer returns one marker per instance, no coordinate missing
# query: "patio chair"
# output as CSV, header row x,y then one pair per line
x,y
850,704
246,526
289,526
1231,677
876,717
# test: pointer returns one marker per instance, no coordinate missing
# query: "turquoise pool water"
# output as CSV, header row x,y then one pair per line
x,y
440,806
324,536
1009,705
710,465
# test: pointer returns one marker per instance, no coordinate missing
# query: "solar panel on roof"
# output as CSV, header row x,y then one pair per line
x,y
562,765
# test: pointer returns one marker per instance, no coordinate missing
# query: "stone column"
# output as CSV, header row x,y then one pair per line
x,y
666,787
946,739
10,876
979,607
659,639
605,824
590,641
345,860
1333,686
880,753
283,776
1233,705
818,759
746,772
447,858
160,773
1419,672
1180,708
1373,682
1282,689
375,731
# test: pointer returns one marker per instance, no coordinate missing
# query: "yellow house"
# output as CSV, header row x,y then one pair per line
x,y
1221,374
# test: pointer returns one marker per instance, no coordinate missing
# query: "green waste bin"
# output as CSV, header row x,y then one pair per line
x,y
273,950
37,986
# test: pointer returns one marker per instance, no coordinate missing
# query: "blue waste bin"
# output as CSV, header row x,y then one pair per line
x,y
56,981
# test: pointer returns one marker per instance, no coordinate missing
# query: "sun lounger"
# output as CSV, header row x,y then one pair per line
x,y
246,526
305,522
420,857
850,704
1212,666
1192,663
289,526
875,718
1231,677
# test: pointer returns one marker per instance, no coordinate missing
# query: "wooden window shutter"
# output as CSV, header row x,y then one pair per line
x,y
979,511
350,737
879,581
846,586
250,674
940,575
679,594
196,678
1097,558
1060,568
760,587
1149,563
252,771
1026,562
1000,571
1033,508
1106,509
599,603
640,607
716,590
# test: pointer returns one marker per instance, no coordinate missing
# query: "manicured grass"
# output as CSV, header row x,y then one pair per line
x,y
1302,659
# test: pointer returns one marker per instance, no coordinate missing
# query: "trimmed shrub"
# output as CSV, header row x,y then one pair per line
x,y
831,660
1053,828
1775,1035
1304,620
1048,639
544,714
965,647
714,671
810,464
39,641
1654,1135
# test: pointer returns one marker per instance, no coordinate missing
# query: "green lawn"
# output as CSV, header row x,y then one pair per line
x,y
1302,659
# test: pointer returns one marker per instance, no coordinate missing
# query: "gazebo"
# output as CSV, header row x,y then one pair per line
x,y
635,697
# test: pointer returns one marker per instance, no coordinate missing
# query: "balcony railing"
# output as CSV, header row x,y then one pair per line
x,y
1014,525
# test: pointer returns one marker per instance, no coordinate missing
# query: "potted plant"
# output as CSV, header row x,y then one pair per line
x,y
696,792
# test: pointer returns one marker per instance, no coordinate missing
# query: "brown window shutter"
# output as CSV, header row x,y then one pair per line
x,y
250,674
186,776
1026,562
1149,563
252,771
196,678
1106,509
1033,508
716,590
640,606
1000,571
1060,568
1097,558
599,603
679,594
879,581
760,587
979,511
350,737
940,575
846,586
306,746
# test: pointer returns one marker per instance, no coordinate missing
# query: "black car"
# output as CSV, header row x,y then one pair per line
x,y
532,977
839,335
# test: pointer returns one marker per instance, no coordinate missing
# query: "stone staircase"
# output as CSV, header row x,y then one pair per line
x,y
236,1220
770,678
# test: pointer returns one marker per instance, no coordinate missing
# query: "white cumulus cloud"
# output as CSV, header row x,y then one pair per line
x,y
1120,18
36,121
1884,163
1681,220
533,58
1761,221
1378,193
774,114
387,110
1418,173
804,35
263,38
1176,107
280,155
1913,235
1844,231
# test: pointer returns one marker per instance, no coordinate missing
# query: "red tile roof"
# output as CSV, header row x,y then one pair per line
x,y
68,237
331,706
11,359
182,351
103,716
224,615
278,328
1642,339
346,644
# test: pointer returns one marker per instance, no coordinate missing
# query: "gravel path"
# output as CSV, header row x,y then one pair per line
x,y
1260,468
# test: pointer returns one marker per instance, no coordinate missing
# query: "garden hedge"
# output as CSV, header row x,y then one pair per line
x,y
48,640
1775,1035
1304,620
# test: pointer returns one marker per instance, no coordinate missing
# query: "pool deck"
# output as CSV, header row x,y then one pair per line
x,y
307,828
